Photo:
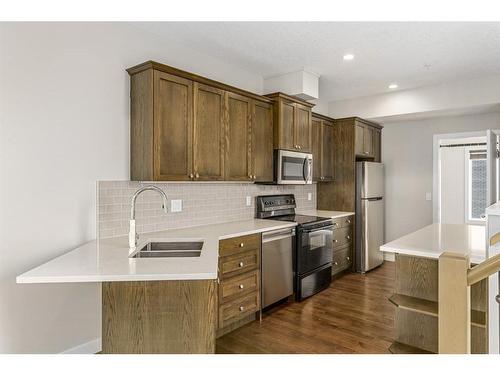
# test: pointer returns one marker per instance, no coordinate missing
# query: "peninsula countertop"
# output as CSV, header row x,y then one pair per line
x,y
108,259
432,240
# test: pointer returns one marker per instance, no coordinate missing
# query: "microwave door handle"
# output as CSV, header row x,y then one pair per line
x,y
304,168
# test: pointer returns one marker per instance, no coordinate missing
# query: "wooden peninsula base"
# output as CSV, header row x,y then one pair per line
x,y
159,316
416,299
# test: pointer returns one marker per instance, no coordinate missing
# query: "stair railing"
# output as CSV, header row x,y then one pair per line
x,y
454,314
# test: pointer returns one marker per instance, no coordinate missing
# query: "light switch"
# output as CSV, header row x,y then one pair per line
x,y
176,205
309,196
249,200
428,196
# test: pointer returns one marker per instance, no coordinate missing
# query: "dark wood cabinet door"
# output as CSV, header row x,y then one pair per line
x,y
303,128
209,133
238,161
377,145
173,126
286,126
317,143
327,151
358,139
368,141
262,142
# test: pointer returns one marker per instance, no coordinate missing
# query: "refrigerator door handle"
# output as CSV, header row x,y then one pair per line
x,y
373,199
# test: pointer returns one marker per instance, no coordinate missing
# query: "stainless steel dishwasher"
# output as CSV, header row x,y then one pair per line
x,y
277,265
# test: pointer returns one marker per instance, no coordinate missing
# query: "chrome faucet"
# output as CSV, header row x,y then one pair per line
x,y
132,234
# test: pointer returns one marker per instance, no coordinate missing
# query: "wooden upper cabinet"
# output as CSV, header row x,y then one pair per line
x,y
286,130
292,123
317,143
377,145
208,133
323,148
173,125
303,128
262,142
327,154
367,140
238,161
187,127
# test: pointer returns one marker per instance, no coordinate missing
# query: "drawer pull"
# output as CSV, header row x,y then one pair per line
x,y
348,221
242,308
336,224
335,241
348,237
348,258
241,286
241,264
336,263
242,244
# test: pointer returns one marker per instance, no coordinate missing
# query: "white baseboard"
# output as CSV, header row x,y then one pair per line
x,y
90,347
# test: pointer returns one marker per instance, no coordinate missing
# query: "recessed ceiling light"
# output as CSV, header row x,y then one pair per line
x,y
393,86
348,57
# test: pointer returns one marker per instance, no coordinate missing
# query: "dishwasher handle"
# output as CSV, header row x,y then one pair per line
x,y
277,235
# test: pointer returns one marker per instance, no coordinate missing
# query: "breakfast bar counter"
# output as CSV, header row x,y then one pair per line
x,y
416,285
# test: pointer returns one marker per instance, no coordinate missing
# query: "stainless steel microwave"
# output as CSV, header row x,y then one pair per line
x,y
293,168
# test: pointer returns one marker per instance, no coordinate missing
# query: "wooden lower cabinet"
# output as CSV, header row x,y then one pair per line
x,y
416,301
169,317
343,244
239,282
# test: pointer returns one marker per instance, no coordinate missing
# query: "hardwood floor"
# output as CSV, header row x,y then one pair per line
x,y
353,315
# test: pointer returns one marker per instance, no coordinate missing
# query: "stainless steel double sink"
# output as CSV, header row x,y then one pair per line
x,y
169,249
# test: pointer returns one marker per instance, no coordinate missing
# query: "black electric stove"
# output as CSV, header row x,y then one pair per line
x,y
313,253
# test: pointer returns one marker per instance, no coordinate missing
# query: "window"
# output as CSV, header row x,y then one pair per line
x,y
476,185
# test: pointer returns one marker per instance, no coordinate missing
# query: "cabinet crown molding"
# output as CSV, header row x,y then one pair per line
x,y
194,77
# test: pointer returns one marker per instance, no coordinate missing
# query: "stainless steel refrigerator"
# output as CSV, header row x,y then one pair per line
x,y
369,215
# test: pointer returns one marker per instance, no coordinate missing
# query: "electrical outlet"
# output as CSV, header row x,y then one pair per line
x,y
309,196
249,200
428,196
176,205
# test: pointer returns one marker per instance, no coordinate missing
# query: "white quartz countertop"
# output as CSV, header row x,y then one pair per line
x,y
108,259
323,213
432,240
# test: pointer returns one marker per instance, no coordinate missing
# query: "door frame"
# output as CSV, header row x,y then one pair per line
x,y
436,198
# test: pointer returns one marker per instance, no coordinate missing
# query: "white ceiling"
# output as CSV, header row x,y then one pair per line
x,y
384,52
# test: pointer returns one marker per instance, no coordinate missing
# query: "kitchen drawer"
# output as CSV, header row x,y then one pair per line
x,y
238,286
230,312
342,236
342,222
342,259
239,263
241,244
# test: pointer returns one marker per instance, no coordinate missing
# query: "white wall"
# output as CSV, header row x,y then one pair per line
x,y
64,123
452,166
407,155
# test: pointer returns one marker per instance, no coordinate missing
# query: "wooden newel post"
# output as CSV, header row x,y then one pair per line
x,y
454,304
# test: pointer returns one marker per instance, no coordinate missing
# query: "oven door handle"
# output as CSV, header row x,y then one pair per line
x,y
317,229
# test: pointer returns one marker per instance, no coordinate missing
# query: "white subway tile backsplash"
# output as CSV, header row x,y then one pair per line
x,y
203,203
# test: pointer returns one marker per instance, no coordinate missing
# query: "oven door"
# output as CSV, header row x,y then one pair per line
x,y
314,248
293,167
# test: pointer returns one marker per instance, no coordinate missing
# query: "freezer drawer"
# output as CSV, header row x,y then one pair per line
x,y
370,177
370,234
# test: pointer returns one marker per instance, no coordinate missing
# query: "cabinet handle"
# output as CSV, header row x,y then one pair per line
x,y
241,264
242,244
348,237
250,176
348,259
348,221
335,241
254,177
242,308
336,263
300,147
241,286
366,152
191,176
197,175
336,224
